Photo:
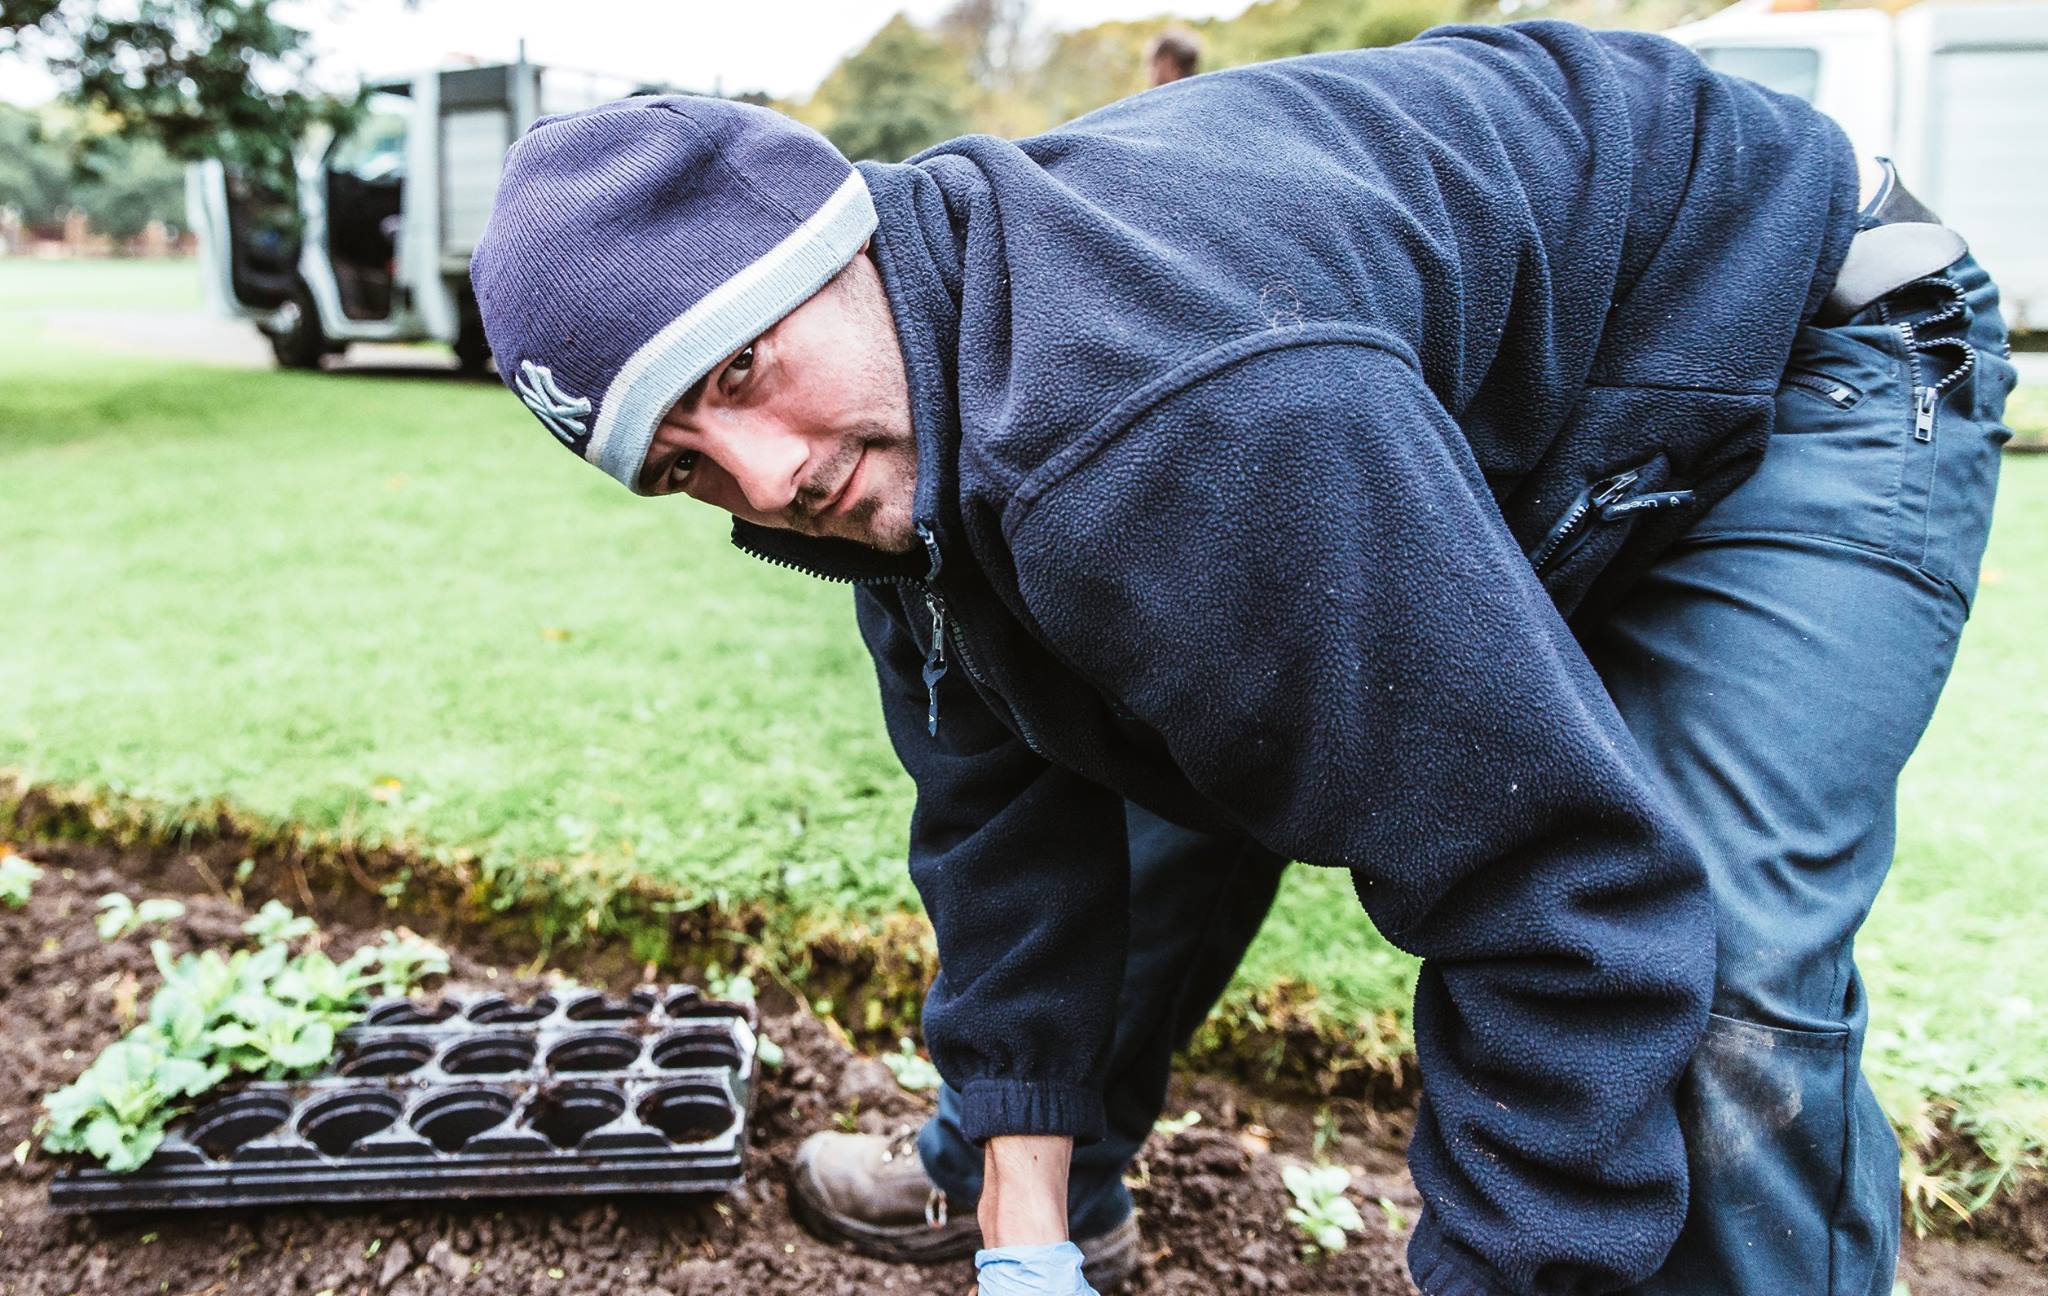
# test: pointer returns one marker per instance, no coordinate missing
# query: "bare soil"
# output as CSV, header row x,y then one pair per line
x,y
1210,1197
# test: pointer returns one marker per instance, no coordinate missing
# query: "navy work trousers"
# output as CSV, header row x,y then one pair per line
x,y
1778,666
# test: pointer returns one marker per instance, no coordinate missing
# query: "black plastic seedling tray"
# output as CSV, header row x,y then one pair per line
x,y
471,1097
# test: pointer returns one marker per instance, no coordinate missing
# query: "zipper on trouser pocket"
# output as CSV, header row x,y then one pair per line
x,y
1832,390
1927,396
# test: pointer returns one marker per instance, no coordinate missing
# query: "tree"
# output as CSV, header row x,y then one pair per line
x,y
34,174
202,78
52,160
901,92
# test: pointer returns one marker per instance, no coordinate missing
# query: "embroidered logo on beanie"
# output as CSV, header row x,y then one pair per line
x,y
633,246
563,414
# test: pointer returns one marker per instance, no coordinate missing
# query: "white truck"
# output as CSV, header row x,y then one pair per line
x,y
1955,92
374,246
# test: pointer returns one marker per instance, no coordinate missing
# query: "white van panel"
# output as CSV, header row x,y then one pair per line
x,y
1987,166
473,144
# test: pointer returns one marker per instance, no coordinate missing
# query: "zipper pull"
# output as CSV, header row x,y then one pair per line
x,y
934,660
1923,413
1670,499
935,657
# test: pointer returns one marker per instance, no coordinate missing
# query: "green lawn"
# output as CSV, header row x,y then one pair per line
x,y
389,607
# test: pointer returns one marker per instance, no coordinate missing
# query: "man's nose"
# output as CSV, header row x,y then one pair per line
x,y
765,462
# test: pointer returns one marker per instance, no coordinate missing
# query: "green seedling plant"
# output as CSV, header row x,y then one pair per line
x,y
118,1109
1321,1211
118,915
276,924
403,960
912,1072
736,988
17,879
270,1012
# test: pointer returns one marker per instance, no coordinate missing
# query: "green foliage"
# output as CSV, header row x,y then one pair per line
x,y
1168,1126
276,924
901,92
118,915
403,960
910,1068
737,987
17,879
117,1110
51,161
1321,1211
264,1012
202,78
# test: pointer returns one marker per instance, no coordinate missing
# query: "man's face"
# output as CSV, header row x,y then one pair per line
x,y
807,427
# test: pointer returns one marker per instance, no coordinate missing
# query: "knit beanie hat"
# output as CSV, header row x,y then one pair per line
x,y
634,245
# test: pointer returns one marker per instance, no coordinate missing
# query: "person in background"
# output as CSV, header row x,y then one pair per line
x,y
1174,54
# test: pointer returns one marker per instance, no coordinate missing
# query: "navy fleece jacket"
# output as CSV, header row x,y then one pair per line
x,y
1270,425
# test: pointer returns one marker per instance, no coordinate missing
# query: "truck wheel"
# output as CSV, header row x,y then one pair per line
x,y
298,343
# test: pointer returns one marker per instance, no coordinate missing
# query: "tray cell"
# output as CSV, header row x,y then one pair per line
x,y
336,1124
695,1048
567,1112
687,1113
221,1127
385,1057
497,1009
404,1012
453,1117
600,1008
488,1055
595,1051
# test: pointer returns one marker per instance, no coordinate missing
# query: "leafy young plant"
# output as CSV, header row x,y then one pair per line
x,y
910,1070
17,878
276,924
1321,1210
118,915
266,1011
737,988
401,960
118,1109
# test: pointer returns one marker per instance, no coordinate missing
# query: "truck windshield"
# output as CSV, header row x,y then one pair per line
x,y
1792,69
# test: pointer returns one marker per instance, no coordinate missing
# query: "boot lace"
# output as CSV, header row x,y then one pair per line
x,y
904,1144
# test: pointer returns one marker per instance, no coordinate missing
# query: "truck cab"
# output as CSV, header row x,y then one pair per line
x,y
372,242
1955,93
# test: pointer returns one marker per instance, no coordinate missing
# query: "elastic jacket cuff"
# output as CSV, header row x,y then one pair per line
x,y
990,1108
1442,1267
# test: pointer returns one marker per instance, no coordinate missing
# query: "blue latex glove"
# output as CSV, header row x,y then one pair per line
x,y
1051,1269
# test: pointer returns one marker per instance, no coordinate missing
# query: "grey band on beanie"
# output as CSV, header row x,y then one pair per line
x,y
634,245
734,314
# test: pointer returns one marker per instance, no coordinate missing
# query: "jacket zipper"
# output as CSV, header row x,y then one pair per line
x,y
1547,550
935,664
1608,499
935,656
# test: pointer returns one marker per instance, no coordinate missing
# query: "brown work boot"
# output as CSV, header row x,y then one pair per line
x,y
871,1190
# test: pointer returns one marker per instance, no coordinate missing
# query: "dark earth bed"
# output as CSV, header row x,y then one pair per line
x,y
1210,1197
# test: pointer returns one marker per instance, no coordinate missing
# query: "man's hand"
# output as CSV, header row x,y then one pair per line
x,y
1024,1190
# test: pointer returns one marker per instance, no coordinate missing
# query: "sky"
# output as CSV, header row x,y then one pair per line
x,y
782,46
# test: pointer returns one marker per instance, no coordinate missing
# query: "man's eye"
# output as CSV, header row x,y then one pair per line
x,y
743,361
679,469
